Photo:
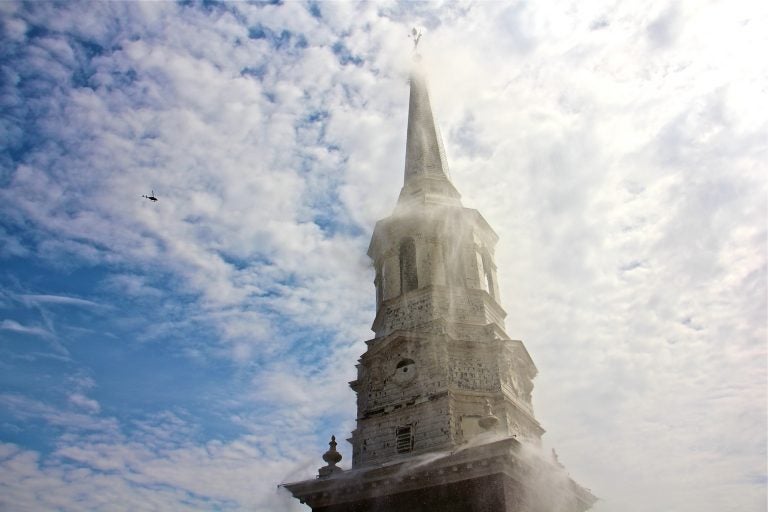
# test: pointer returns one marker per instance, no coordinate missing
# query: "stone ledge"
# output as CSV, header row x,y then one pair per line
x,y
500,459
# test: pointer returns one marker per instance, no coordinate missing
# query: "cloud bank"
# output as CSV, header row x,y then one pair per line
x,y
190,354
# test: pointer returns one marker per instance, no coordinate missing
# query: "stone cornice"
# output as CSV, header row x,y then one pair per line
x,y
505,456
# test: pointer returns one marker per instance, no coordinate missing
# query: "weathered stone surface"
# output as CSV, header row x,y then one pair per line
x,y
443,398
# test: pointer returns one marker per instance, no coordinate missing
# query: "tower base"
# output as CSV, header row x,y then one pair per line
x,y
496,476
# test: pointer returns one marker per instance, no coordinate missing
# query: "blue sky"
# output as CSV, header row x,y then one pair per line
x,y
193,353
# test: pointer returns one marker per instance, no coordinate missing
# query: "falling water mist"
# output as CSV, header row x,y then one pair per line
x,y
444,408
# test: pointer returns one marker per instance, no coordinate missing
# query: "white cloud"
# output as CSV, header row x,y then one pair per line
x,y
25,408
84,402
98,477
13,325
94,466
617,149
56,299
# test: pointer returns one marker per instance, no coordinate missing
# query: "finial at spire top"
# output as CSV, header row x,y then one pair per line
x,y
416,36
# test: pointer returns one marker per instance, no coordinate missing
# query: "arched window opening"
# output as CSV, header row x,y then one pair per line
x,y
408,277
379,283
488,274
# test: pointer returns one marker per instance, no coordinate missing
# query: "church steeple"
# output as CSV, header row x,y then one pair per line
x,y
431,247
426,167
443,393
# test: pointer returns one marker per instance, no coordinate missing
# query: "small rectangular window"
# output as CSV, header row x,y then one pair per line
x,y
404,439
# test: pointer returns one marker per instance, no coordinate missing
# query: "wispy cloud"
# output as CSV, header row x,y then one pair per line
x,y
617,149
13,325
157,461
25,408
32,299
84,402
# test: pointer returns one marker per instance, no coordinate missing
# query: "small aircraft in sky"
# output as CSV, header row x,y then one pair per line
x,y
151,197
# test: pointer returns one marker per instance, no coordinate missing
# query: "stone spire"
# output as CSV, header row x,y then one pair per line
x,y
426,167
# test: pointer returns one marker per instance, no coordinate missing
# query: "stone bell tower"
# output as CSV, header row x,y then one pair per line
x,y
440,350
444,413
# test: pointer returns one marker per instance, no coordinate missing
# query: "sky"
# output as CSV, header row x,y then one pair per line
x,y
193,353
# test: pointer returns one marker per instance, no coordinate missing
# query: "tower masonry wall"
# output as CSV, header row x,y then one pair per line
x,y
400,372
418,308
438,386
431,424
448,242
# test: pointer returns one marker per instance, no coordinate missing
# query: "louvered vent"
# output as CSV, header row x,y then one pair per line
x,y
404,439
